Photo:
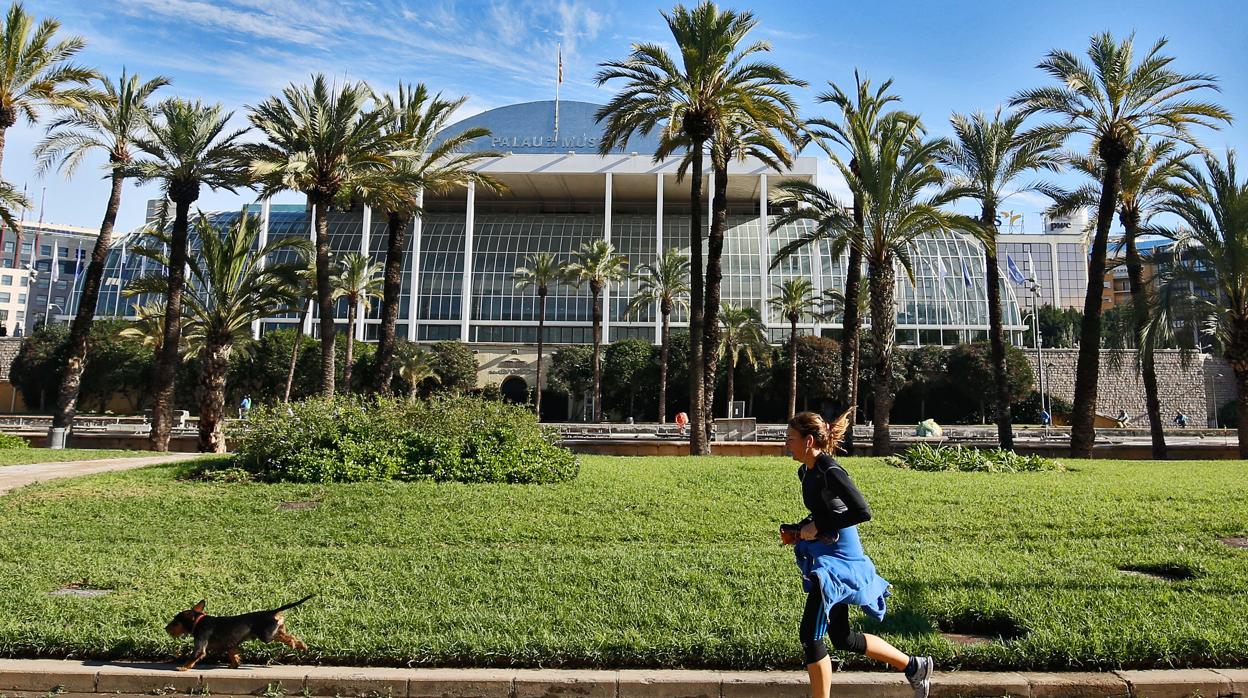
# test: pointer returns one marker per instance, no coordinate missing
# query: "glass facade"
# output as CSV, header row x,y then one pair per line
x,y
1072,268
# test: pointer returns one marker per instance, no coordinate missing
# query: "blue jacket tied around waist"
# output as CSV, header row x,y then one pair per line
x,y
844,574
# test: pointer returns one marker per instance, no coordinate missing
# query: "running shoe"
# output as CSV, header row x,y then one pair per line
x,y
921,681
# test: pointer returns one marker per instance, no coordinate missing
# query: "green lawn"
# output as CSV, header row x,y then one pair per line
x,y
639,562
23,456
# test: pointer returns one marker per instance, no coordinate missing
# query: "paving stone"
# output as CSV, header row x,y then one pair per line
x,y
46,675
974,684
868,684
460,683
361,682
765,684
1076,684
252,679
148,677
1238,677
669,684
547,683
1176,683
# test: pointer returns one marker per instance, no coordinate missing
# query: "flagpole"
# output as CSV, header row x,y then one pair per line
x,y
53,275
558,82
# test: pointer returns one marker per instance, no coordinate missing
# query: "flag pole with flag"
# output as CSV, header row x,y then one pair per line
x,y
73,290
1011,270
558,82
54,273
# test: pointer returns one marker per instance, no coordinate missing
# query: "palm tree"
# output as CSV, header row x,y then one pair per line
x,y
231,286
359,281
425,165
860,112
322,141
597,264
541,271
896,170
110,121
149,328
1214,207
794,300
988,156
10,199
1115,102
35,71
715,83
665,282
744,333
186,149
305,291
416,368
1150,173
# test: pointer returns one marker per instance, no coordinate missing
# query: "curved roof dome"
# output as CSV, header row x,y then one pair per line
x,y
530,128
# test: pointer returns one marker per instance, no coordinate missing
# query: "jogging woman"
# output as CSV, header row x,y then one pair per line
x,y
836,573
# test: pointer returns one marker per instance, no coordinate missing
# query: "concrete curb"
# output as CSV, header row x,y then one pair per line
x,y
38,678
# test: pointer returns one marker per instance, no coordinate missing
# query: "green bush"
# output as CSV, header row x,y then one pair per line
x,y
970,460
347,439
12,441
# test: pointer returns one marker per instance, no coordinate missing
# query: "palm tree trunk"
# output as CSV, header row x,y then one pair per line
x,y
1083,412
167,358
1140,314
883,335
663,352
1240,366
397,230
711,331
323,296
996,337
215,360
7,119
541,336
851,326
294,351
596,361
71,380
792,367
698,444
352,302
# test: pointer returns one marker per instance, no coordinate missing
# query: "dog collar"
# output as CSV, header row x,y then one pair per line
x,y
196,621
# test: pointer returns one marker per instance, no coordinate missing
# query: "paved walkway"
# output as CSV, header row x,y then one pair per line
x,y
45,676
14,476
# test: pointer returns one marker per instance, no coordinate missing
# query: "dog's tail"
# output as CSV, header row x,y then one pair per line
x,y
292,605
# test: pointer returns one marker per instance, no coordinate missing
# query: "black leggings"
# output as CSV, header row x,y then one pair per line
x,y
836,627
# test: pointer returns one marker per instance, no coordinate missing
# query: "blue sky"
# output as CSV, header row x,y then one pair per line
x,y
943,57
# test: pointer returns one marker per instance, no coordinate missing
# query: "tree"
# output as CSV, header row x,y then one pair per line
x,y
571,370
1115,102
415,368
110,121
859,113
818,370
35,371
597,265
541,271
743,333
1213,206
11,199
795,299
231,287
926,373
323,141
305,289
988,157
665,282
36,72
624,369
972,374
358,281
715,83
425,164
455,365
187,149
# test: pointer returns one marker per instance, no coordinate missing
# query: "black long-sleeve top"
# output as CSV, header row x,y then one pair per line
x,y
833,500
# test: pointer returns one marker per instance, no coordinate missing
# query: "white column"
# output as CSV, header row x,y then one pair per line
x,y
366,228
264,241
413,285
816,270
1057,282
465,302
658,246
307,321
606,288
763,248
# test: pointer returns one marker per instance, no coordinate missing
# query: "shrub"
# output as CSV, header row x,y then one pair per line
x,y
12,441
347,439
956,458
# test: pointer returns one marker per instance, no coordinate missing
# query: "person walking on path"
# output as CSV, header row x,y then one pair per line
x,y
836,573
244,407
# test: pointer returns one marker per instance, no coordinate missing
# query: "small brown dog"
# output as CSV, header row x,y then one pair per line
x,y
223,634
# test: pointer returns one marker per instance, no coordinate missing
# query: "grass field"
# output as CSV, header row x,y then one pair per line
x,y
24,456
639,562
